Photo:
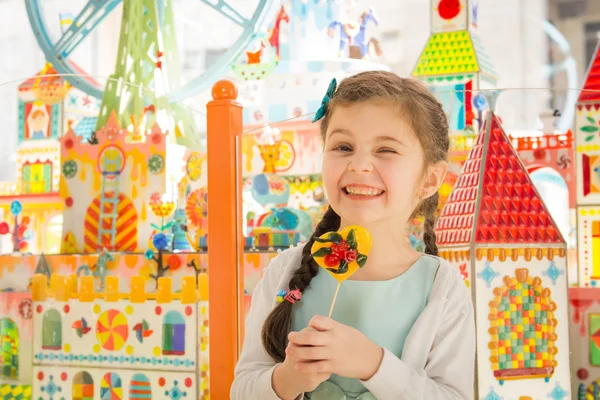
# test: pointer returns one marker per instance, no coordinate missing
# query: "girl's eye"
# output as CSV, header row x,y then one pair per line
x,y
342,147
386,150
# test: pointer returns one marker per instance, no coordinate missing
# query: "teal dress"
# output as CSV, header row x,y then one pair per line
x,y
384,311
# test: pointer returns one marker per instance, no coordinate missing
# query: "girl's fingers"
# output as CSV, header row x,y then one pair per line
x,y
309,353
322,323
315,367
309,337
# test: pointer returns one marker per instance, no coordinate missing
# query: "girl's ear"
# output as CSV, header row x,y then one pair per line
x,y
435,177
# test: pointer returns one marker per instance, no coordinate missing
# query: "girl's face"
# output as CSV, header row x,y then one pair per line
x,y
373,165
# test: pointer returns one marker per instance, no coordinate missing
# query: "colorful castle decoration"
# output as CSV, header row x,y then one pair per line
x,y
48,106
45,101
497,231
146,345
41,109
104,164
585,299
121,178
454,63
587,142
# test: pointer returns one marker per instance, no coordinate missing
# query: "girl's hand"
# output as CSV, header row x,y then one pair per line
x,y
327,346
288,382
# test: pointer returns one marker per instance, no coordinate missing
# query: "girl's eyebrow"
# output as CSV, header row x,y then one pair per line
x,y
388,139
341,131
346,132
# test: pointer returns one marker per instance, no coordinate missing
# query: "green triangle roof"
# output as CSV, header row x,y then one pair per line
x,y
42,266
454,53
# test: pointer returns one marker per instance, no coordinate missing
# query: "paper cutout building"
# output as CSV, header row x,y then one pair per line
x,y
107,187
104,345
454,61
498,233
585,299
587,144
47,107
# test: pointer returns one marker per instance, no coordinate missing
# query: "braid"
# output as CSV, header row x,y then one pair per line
x,y
277,324
428,210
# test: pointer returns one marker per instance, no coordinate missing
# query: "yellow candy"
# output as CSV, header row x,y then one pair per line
x,y
358,240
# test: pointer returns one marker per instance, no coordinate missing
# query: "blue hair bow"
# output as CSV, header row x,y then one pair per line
x,y
330,91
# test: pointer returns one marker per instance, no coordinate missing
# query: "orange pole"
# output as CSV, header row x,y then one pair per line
x,y
225,284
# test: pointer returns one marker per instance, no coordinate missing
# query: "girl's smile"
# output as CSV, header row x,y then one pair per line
x,y
357,191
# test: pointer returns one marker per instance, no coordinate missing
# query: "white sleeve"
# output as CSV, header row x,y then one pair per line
x,y
449,372
252,376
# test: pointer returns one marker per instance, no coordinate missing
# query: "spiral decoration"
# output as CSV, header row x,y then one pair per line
x,y
112,330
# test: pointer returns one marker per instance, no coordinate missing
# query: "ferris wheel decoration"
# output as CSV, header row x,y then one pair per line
x,y
58,52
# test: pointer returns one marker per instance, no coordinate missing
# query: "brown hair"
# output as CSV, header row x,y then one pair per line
x,y
429,123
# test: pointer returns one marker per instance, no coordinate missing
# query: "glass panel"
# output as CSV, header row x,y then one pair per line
x,y
523,157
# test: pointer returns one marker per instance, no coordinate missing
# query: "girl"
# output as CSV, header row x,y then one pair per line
x,y
403,325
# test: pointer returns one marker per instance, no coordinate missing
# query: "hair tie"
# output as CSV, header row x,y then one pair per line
x,y
291,296
323,108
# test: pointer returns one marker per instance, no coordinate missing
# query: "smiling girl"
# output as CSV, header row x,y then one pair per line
x,y
403,325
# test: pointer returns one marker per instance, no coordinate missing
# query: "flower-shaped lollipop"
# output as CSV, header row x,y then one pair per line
x,y
342,253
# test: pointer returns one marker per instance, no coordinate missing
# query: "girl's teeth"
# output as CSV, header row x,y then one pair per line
x,y
363,191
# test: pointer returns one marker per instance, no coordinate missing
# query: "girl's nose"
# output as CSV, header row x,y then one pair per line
x,y
360,163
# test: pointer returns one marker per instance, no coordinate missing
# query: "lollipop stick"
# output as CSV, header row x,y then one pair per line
x,y
337,289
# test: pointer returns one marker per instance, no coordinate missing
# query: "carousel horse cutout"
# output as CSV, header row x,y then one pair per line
x,y
99,269
354,35
274,33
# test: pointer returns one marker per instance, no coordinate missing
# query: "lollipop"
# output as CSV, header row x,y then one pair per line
x,y
342,253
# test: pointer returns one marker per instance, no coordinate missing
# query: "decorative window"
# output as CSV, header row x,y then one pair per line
x,y
111,387
173,334
522,329
52,330
9,349
139,387
37,178
111,161
38,121
83,386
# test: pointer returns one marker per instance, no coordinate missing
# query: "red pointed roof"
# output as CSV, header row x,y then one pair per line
x,y
592,80
503,203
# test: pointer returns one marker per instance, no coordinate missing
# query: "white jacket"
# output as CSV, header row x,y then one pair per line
x,y
438,357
